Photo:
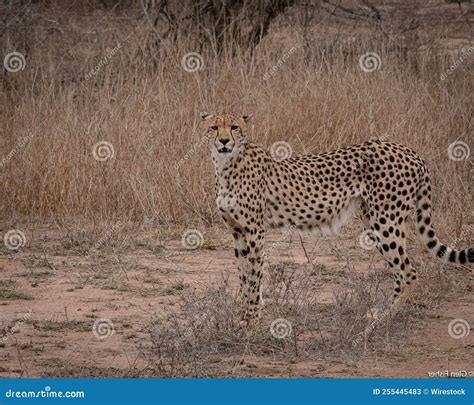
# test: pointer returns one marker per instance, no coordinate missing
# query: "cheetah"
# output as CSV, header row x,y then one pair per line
x,y
319,193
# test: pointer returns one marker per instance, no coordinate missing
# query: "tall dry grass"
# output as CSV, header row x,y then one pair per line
x,y
144,103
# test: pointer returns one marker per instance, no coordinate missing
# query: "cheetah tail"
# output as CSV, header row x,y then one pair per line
x,y
426,231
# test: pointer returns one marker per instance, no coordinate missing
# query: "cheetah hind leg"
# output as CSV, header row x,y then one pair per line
x,y
373,314
390,240
391,243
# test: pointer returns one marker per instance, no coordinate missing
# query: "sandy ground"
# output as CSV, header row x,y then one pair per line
x,y
54,288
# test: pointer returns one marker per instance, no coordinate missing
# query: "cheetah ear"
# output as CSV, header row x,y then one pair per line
x,y
205,116
247,118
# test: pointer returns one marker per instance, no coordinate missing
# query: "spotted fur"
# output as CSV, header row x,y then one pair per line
x,y
319,193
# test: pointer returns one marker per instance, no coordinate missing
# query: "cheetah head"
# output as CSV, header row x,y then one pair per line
x,y
225,132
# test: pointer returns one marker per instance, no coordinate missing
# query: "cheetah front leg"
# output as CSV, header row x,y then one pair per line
x,y
248,232
252,292
241,253
249,242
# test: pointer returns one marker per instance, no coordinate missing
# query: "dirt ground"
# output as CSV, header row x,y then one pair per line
x,y
54,288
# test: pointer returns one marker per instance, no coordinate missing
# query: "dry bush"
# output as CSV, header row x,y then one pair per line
x,y
203,338
206,336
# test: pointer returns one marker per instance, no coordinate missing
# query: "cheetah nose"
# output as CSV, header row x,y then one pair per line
x,y
224,141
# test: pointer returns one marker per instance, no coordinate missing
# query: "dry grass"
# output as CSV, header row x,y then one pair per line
x,y
8,292
146,105
203,338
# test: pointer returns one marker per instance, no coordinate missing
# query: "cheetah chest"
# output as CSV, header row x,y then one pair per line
x,y
225,198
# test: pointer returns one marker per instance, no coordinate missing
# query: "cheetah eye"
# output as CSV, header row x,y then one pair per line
x,y
214,128
234,127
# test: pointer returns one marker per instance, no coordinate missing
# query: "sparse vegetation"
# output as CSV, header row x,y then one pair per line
x,y
203,337
104,237
8,292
